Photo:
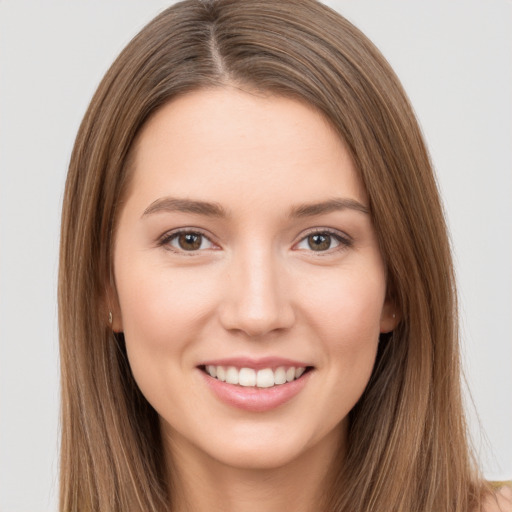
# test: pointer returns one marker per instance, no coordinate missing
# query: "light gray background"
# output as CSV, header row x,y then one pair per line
x,y
455,61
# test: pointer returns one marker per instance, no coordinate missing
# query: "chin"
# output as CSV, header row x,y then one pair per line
x,y
258,459
269,447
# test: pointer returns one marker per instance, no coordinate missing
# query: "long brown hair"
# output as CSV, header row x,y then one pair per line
x,y
407,442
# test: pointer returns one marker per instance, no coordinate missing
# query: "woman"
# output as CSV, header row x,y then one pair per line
x,y
257,303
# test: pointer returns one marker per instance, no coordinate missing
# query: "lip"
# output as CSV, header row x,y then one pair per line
x,y
251,398
255,364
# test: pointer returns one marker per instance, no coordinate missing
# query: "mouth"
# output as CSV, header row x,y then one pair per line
x,y
262,378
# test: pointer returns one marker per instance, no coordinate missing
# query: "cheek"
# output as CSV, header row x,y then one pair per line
x,y
164,313
158,302
162,318
347,306
346,317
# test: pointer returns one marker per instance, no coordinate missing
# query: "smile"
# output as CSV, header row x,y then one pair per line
x,y
249,377
255,386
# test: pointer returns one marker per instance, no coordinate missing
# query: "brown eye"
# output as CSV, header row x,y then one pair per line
x,y
323,241
319,241
190,241
187,241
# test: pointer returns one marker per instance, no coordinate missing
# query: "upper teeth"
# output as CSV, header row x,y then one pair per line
x,y
264,378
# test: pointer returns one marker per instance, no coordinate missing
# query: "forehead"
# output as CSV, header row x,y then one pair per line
x,y
215,142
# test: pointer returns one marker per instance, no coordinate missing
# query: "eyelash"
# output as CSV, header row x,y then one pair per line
x,y
167,238
344,241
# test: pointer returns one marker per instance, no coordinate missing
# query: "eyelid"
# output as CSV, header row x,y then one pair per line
x,y
344,240
164,240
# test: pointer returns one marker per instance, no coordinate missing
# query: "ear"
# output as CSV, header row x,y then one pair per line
x,y
117,319
390,316
110,309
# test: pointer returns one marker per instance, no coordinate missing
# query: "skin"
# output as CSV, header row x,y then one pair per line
x,y
501,502
255,287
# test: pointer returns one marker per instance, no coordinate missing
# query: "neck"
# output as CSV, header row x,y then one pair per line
x,y
201,483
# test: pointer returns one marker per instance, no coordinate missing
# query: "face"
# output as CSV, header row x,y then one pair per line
x,y
250,286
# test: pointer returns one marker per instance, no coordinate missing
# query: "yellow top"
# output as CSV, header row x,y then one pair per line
x,y
504,483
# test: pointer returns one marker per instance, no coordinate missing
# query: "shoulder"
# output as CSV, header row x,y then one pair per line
x,y
500,500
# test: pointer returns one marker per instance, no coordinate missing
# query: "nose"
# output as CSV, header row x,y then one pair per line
x,y
257,300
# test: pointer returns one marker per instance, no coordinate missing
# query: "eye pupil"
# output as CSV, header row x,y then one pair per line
x,y
319,242
190,241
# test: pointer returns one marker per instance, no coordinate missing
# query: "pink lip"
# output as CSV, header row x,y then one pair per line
x,y
255,364
255,399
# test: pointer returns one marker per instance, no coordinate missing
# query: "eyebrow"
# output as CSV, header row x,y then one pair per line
x,y
171,204
331,205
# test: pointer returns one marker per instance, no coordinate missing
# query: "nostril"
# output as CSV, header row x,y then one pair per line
x,y
256,324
